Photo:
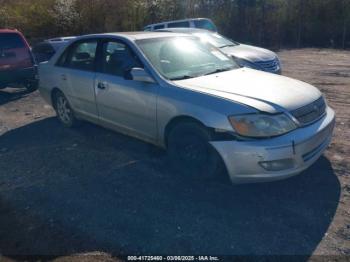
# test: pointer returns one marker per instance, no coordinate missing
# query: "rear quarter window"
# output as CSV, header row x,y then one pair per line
x,y
11,41
80,55
62,59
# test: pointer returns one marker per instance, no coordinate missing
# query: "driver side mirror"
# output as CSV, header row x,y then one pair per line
x,y
139,74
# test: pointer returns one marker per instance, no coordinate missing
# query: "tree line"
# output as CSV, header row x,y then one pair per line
x,y
270,23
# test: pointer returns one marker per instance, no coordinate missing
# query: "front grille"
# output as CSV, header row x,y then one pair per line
x,y
311,112
270,65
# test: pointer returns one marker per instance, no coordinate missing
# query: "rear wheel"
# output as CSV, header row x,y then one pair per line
x,y
64,111
31,86
190,152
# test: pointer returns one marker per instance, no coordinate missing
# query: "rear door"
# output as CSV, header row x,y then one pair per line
x,y
126,105
14,52
76,76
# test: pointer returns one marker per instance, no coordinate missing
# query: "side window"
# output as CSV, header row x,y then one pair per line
x,y
156,27
43,48
179,24
118,59
80,56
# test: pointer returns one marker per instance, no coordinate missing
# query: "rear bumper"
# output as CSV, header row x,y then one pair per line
x,y
299,149
18,76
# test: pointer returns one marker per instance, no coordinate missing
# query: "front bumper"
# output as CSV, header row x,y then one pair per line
x,y
274,69
278,72
302,147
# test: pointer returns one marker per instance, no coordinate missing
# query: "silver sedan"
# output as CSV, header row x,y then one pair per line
x,y
182,94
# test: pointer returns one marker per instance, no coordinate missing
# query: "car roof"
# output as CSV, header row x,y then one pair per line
x,y
180,20
56,45
8,30
133,36
184,30
61,39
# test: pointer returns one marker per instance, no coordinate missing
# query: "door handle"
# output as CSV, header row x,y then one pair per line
x,y
64,77
101,85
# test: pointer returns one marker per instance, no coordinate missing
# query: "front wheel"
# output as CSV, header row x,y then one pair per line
x,y
63,110
190,152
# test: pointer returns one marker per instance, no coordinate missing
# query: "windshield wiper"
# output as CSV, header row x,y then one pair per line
x,y
227,45
219,70
181,77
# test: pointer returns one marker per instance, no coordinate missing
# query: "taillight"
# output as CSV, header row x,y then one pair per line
x,y
32,58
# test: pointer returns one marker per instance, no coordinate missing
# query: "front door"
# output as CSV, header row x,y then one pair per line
x,y
127,105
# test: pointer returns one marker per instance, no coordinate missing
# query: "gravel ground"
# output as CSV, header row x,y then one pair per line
x,y
71,191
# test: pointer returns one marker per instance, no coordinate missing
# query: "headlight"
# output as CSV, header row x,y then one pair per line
x,y
262,125
246,63
278,62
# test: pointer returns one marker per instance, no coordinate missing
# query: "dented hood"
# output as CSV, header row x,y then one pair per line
x,y
263,91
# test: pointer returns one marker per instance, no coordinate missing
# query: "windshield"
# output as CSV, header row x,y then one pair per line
x,y
215,39
184,57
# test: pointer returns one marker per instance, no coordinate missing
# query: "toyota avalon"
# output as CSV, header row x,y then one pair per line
x,y
184,95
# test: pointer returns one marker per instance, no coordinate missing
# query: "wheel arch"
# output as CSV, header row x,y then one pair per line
x,y
54,91
177,120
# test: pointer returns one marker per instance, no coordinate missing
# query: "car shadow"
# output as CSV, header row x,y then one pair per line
x,y
11,94
65,191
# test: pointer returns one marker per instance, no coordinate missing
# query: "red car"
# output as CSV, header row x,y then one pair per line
x,y
17,64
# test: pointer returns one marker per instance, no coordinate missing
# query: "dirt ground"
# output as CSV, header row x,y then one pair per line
x,y
72,191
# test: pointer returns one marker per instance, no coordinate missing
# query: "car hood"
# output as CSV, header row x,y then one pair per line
x,y
263,91
249,52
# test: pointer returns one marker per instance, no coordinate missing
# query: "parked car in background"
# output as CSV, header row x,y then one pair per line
x,y
182,94
17,66
202,23
61,39
43,51
245,55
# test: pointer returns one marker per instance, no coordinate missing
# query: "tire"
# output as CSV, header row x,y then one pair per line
x,y
64,111
191,154
31,86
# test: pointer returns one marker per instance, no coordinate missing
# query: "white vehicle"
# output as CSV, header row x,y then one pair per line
x,y
201,23
245,55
